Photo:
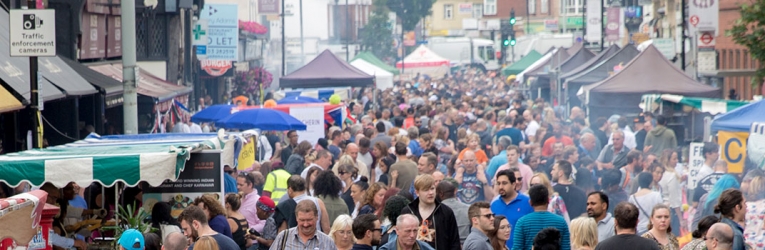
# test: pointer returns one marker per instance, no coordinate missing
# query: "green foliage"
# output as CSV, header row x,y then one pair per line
x,y
132,219
749,31
377,35
410,12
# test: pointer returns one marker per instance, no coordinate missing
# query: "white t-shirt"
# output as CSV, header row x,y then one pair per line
x,y
531,129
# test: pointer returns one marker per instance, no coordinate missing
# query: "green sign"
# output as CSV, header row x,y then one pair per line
x,y
574,21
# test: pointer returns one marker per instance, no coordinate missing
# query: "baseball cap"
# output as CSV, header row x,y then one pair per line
x,y
131,239
265,204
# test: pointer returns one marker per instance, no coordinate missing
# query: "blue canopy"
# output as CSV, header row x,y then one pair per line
x,y
213,113
261,118
740,119
298,100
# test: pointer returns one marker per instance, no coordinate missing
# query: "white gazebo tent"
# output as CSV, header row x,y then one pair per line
x,y
383,78
424,61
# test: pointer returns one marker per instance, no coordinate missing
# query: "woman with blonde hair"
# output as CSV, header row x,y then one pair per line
x,y
342,233
659,229
556,205
206,243
584,233
671,189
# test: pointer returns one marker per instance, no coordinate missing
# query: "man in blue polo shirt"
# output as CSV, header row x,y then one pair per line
x,y
509,202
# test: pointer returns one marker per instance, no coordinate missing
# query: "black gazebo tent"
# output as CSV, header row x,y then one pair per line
x,y
326,70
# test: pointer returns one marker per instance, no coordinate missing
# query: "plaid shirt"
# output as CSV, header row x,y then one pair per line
x,y
294,242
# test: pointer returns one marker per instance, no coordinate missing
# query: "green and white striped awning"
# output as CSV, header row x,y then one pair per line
x,y
106,164
706,105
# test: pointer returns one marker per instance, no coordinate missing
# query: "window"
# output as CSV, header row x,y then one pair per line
x,y
572,7
532,7
448,11
543,6
489,7
489,53
477,10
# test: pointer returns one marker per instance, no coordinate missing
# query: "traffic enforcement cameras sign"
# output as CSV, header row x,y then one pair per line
x,y
33,32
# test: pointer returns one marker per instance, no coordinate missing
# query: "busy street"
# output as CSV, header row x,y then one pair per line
x,y
382,125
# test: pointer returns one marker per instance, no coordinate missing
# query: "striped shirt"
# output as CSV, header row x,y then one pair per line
x,y
294,242
529,225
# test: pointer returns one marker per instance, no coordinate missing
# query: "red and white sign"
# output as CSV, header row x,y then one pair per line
x,y
704,16
694,20
706,40
216,67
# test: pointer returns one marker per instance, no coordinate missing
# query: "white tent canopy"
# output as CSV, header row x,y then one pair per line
x,y
424,61
383,78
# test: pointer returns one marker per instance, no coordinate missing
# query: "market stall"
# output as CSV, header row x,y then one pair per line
x,y
618,93
733,129
149,160
25,220
326,70
597,72
383,78
423,61
522,64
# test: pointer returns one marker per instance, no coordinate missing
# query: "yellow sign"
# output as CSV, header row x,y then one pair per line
x,y
733,149
247,155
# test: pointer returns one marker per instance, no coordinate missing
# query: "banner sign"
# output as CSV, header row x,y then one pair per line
x,y
594,21
695,162
733,149
613,18
313,117
247,155
203,174
704,16
466,8
268,7
215,68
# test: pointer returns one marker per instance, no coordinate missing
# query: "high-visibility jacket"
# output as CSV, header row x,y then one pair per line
x,y
276,184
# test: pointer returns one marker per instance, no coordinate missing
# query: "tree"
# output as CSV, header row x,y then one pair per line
x,y
410,12
749,31
377,34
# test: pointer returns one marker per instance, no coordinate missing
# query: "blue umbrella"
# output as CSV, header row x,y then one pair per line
x,y
261,118
298,100
213,113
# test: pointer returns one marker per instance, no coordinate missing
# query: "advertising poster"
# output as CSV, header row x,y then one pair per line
x,y
203,174
695,162
313,117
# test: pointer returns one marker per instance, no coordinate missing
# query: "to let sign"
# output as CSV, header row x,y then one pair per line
x,y
33,32
222,31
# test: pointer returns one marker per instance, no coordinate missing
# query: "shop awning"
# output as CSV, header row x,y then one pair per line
x,y
106,164
109,85
147,84
15,71
8,102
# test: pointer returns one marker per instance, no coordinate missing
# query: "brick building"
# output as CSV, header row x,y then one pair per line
x,y
731,56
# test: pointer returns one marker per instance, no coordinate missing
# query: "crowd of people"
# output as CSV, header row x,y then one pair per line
x,y
467,162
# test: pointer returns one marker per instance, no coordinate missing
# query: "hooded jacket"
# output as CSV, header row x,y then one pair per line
x,y
660,138
447,232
